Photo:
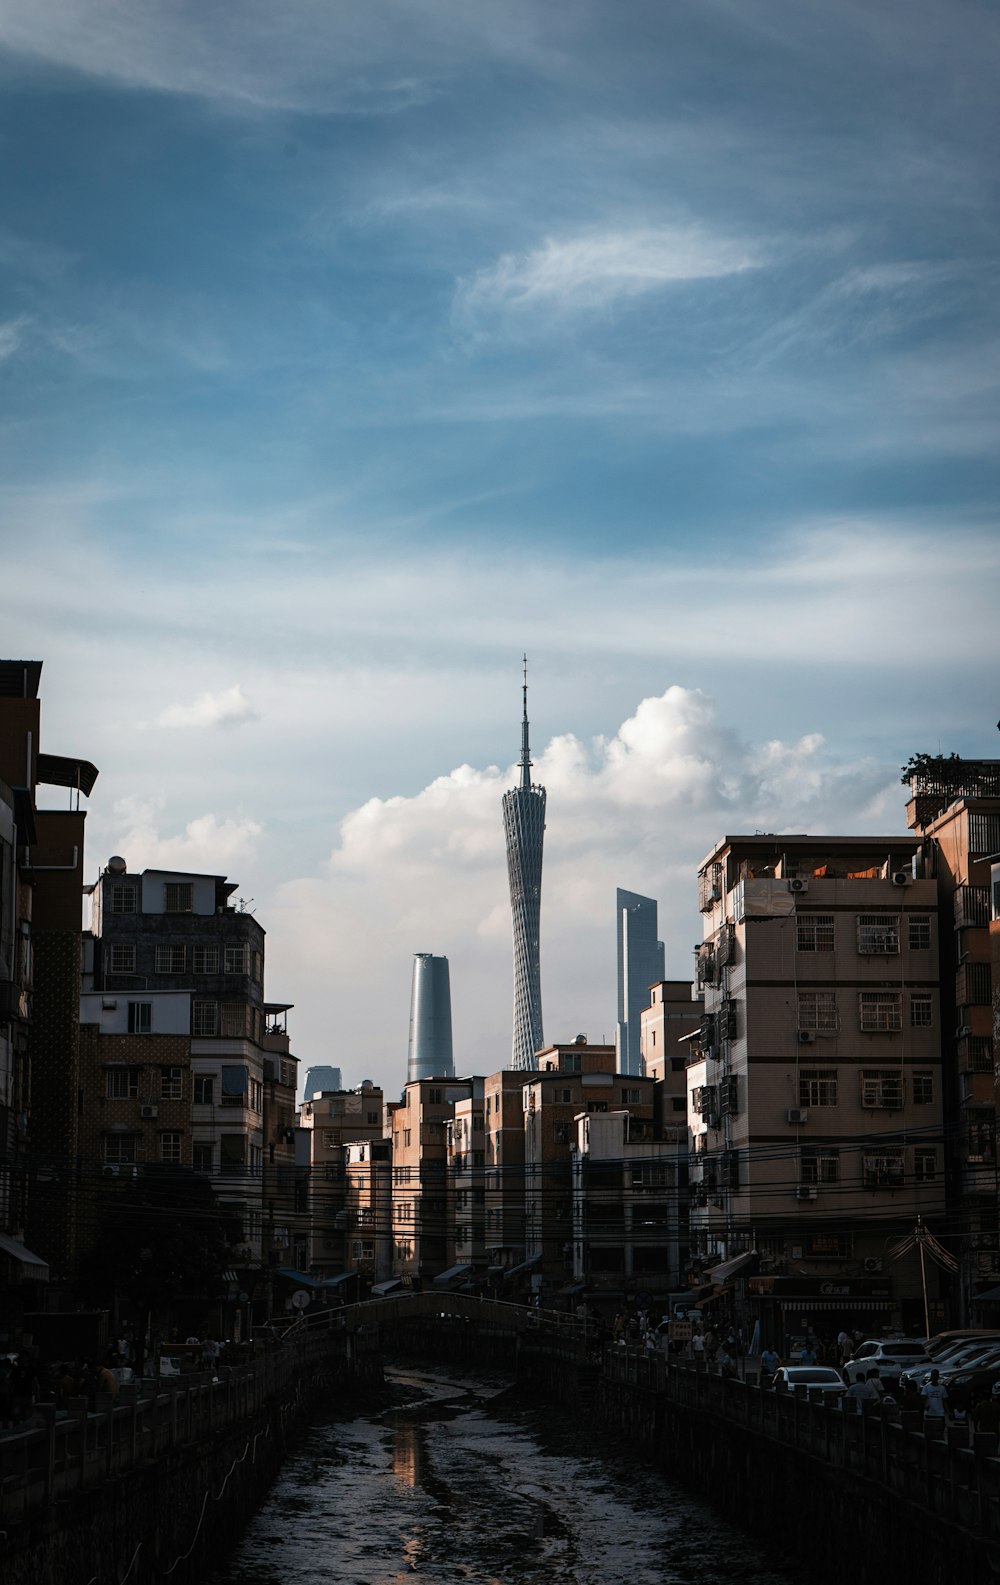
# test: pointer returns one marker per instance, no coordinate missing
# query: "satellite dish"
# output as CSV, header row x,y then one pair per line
x,y
300,1298
117,865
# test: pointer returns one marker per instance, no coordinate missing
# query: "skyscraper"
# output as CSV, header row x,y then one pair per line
x,y
524,828
640,965
430,1054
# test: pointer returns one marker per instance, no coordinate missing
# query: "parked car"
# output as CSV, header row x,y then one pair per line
x,y
965,1387
818,1378
946,1342
960,1364
889,1356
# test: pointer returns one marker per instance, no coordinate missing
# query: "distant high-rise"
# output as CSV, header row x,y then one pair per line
x,y
319,1079
430,1054
640,965
524,827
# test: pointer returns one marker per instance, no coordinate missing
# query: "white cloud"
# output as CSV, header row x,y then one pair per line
x,y
427,873
594,270
207,845
228,707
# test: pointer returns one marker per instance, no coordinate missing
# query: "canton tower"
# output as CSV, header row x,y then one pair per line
x,y
524,829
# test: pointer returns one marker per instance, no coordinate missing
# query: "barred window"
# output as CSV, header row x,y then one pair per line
x,y
814,932
204,1089
879,1012
884,1172
818,1010
235,961
878,933
171,959
204,1017
140,1018
882,1088
924,1166
921,1010
919,932
331,1138
234,1019
178,897
205,960
121,1147
122,958
923,1087
203,1157
123,898
171,1084
122,1084
818,1087
819,1166
170,1147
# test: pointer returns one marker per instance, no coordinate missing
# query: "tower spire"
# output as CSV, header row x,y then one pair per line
x,y
525,750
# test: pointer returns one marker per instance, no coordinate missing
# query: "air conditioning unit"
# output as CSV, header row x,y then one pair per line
x,y
962,1032
715,1122
806,1037
148,1111
901,878
109,1170
797,884
796,1114
805,1191
872,1264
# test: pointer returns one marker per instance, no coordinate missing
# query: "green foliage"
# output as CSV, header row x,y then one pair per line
x,y
933,768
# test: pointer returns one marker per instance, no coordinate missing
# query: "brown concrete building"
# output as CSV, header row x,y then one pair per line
x,y
673,1015
466,1170
332,1121
40,1010
629,1207
369,1209
419,1177
816,1103
503,1107
954,807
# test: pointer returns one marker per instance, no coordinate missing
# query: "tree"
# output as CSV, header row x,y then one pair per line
x,y
160,1235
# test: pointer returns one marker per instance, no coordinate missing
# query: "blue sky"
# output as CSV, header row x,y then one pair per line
x,y
348,352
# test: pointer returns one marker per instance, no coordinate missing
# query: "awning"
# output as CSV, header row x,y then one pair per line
x,y
291,1275
730,1268
33,1267
339,1280
525,1265
845,1303
382,1290
991,1296
444,1279
712,1297
570,1289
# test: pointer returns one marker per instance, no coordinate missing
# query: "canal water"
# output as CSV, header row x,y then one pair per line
x,y
459,1482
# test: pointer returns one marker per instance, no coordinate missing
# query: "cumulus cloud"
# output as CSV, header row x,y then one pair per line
x,y
228,707
207,844
637,809
593,270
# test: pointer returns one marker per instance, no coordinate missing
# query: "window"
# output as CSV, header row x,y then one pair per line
x,y
120,1147
171,1084
878,933
818,1087
235,961
434,1097
631,1097
560,1134
924,1166
121,958
677,1064
373,1119
883,1172
919,929
203,1018
677,1103
407,1136
258,968
204,1089
178,897
203,1157
235,1085
818,1010
882,1089
234,1019
170,1147
122,898
982,1140
205,960
921,1010
923,1088
331,1138
171,959
814,932
121,1084
140,1018
879,1012
256,1160
819,1166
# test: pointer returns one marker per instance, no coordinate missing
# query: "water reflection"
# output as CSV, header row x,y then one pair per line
x,y
407,1452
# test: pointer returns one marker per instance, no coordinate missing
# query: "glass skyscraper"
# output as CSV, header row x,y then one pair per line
x,y
430,1053
640,965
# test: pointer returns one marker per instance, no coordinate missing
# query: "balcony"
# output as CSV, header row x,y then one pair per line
x,y
972,906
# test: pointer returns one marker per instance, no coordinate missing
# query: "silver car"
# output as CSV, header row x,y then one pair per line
x,y
818,1378
889,1356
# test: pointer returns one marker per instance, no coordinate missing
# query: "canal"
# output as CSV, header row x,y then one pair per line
x,y
456,1480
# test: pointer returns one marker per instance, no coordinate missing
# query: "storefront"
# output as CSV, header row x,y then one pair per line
x,y
789,1308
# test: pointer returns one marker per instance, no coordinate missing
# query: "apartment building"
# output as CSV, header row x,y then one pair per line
x,y
332,1121
570,1079
503,1121
674,1013
420,1219
369,1212
185,1063
815,1100
40,890
466,1179
954,807
629,1206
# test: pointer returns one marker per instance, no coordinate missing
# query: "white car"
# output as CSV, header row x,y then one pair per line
x,y
817,1378
889,1356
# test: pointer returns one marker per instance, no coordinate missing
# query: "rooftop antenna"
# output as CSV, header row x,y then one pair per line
x,y
525,751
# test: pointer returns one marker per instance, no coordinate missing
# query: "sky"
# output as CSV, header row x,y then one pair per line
x,y
348,352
